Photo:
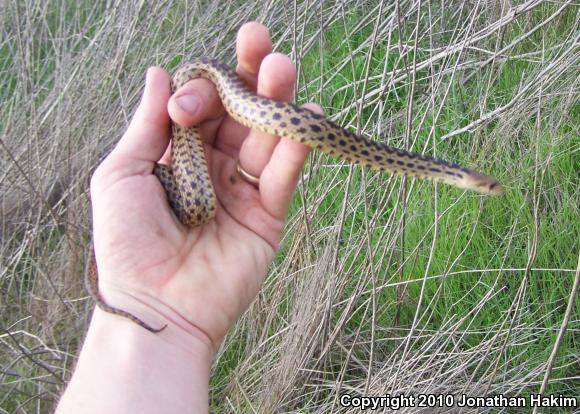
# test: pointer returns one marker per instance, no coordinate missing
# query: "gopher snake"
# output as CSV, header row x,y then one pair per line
x,y
188,186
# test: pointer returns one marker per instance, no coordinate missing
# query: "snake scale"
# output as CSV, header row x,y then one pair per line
x,y
187,183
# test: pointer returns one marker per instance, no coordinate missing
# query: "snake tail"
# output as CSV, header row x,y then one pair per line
x,y
92,286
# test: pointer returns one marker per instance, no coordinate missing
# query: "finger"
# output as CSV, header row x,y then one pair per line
x,y
280,176
147,136
276,81
253,44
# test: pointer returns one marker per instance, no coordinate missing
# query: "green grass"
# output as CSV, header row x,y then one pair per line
x,y
472,233
382,284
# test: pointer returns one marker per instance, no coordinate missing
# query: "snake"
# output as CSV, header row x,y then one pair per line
x,y
187,182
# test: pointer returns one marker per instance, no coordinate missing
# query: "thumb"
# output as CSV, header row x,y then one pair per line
x,y
147,136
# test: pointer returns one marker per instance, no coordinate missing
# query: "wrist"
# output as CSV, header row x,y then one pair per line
x,y
151,313
125,368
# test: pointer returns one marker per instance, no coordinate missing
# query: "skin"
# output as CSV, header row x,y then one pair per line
x,y
197,281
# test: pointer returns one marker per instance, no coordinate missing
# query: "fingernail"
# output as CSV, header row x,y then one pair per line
x,y
189,103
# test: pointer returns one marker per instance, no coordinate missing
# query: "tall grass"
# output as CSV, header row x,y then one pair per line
x,y
383,285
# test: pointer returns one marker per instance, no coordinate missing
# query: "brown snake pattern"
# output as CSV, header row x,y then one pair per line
x,y
187,183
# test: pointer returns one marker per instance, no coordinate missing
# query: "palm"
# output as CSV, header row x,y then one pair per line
x,y
206,266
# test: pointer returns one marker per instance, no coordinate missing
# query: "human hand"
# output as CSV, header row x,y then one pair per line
x,y
201,279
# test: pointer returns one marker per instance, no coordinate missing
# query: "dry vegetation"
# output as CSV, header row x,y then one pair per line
x,y
383,285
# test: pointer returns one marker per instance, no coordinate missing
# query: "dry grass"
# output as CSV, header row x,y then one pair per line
x,y
383,285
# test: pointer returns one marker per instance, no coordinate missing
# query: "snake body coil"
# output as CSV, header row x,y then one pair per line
x,y
191,192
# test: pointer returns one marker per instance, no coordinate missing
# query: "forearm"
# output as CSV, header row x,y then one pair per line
x,y
124,368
